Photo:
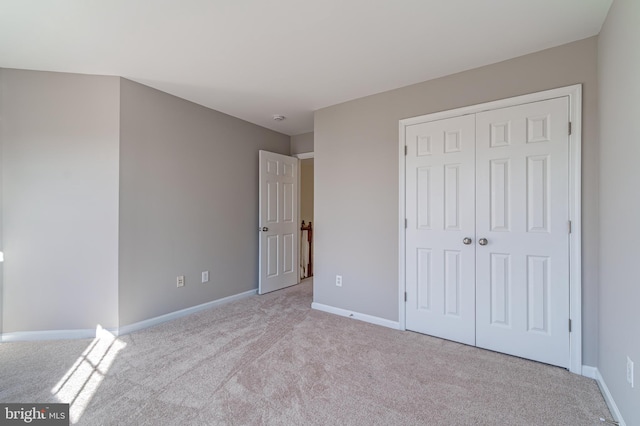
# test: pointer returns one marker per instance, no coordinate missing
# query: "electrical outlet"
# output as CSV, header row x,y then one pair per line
x,y
339,280
630,371
180,281
205,276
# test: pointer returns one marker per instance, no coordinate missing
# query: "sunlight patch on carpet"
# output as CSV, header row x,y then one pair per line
x,y
81,382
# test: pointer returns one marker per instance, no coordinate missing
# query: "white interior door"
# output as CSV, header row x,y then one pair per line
x,y
278,219
522,210
487,236
440,267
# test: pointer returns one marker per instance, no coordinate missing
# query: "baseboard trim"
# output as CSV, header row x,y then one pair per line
x,y
589,371
594,373
29,336
356,315
181,313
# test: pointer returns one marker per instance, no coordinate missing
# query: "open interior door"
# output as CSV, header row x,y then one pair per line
x,y
278,222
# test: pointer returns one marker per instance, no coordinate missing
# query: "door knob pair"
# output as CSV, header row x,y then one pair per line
x,y
481,241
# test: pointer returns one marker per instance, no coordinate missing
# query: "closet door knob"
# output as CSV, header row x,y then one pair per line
x,y
467,241
264,229
483,241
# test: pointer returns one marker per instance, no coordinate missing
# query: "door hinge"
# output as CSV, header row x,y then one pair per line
x,y
569,128
405,296
569,226
569,325
405,224
405,150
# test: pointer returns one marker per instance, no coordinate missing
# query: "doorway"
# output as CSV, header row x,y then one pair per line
x,y
306,219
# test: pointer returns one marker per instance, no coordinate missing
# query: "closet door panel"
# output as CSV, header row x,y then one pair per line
x,y
440,268
522,210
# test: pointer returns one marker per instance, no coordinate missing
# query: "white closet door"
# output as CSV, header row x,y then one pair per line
x,y
440,267
522,210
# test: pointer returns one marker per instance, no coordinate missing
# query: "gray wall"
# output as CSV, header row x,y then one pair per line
x,y
60,191
619,73
356,176
302,143
188,202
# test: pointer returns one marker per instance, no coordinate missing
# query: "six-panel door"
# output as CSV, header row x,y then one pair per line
x,y
500,179
278,222
522,209
440,208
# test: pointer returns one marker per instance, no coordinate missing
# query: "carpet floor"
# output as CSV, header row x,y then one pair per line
x,y
273,360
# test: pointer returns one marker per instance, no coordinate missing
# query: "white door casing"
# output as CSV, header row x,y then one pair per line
x,y
522,210
440,215
278,222
536,188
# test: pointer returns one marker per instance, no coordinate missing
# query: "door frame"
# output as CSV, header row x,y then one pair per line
x,y
574,93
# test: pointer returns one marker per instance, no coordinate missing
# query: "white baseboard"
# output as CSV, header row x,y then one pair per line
x,y
24,336
356,315
30,336
181,313
594,373
589,371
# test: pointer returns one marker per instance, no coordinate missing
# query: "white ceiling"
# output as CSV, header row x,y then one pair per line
x,y
256,58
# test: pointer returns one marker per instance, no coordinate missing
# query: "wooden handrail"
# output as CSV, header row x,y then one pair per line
x,y
309,229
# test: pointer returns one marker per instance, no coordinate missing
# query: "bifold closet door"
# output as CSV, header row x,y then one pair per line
x,y
522,211
440,206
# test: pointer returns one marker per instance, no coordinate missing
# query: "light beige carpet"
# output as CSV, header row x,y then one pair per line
x,y
272,360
